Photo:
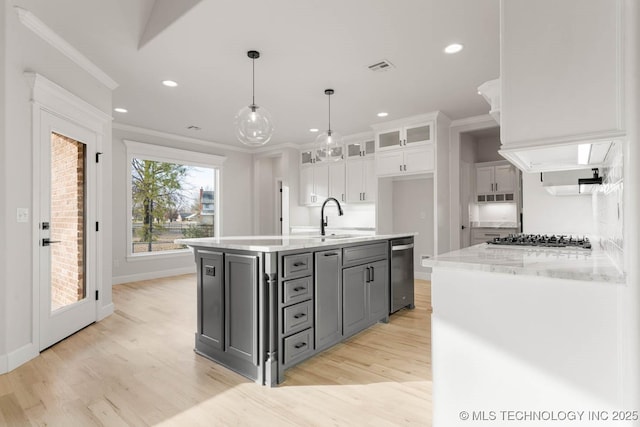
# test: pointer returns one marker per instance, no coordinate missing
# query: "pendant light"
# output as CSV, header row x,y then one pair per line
x,y
329,143
254,126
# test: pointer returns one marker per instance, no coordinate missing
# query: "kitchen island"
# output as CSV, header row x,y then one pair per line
x,y
267,303
517,331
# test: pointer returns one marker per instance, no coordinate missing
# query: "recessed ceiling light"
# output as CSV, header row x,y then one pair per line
x,y
383,114
169,83
453,48
313,130
120,110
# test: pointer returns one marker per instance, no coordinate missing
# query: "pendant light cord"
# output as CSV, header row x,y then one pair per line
x,y
329,132
253,81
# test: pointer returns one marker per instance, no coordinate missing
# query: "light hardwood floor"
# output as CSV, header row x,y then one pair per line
x,y
137,367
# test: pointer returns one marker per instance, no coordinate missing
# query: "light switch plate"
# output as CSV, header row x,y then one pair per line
x,y
22,215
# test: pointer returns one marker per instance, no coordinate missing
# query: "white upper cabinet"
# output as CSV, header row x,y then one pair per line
x,y
561,65
408,146
360,148
406,161
337,181
405,136
496,182
314,178
361,181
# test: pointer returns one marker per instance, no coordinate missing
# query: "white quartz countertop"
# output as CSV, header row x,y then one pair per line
x,y
564,263
284,243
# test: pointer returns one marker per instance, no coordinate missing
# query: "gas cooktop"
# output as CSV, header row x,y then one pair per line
x,y
544,240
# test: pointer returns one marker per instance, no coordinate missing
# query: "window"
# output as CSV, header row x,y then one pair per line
x,y
172,194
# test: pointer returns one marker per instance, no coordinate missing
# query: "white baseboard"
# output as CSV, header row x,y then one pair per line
x,y
422,275
118,280
4,368
105,311
21,356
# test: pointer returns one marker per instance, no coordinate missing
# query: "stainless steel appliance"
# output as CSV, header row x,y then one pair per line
x,y
542,240
401,274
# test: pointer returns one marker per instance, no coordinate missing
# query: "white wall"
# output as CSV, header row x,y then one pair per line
x,y
266,169
413,212
546,214
236,202
3,181
26,51
487,149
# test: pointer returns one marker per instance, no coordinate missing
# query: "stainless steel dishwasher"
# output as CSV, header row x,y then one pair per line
x,y
401,274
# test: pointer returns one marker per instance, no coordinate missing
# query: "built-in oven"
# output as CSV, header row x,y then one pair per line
x,y
401,272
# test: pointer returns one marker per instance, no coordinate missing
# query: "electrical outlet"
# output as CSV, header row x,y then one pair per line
x,y
22,215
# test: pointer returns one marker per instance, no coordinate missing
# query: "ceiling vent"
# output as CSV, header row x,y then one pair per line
x,y
383,65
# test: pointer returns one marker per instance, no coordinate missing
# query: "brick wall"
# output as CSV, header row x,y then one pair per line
x,y
67,220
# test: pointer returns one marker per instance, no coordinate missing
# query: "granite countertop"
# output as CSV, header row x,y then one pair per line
x,y
284,243
564,263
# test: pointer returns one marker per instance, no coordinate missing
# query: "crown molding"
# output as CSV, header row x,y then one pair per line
x,y
32,22
174,137
474,120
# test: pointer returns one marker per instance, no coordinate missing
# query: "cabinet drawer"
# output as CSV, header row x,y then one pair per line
x,y
296,290
297,317
297,265
365,253
298,346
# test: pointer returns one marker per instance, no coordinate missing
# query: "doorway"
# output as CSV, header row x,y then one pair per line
x,y
67,280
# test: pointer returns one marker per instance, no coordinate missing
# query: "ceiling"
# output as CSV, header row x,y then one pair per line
x,y
306,46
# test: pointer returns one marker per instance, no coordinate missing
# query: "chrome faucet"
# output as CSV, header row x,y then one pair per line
x,y
323,219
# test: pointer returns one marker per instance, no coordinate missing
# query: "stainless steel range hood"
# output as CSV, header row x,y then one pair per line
x,y
565,183
557,157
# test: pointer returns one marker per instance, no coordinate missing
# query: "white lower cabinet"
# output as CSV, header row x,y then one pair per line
x,y
361,180
405,161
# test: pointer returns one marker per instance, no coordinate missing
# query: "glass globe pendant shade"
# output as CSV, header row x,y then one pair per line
x,y
253,125
329,145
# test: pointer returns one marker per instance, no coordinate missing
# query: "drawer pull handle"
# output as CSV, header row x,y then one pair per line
x,y
331,254
300,345
298,264
299,315
299,288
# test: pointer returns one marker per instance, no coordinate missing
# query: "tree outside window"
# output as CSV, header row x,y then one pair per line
x,y
170,201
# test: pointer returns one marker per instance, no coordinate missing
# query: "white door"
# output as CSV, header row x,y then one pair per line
x,y
419,159
66,219
390,163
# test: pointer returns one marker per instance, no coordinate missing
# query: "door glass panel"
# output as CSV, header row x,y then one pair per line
x,y
306,157
389,139
353,150
67,226
419,134
369,147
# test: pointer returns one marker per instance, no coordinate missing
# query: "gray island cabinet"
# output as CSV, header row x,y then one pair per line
x,y
267,303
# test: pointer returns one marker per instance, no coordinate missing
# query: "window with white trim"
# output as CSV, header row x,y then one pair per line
x,y
172,194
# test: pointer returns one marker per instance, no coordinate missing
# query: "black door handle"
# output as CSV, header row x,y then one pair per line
x,y
46,241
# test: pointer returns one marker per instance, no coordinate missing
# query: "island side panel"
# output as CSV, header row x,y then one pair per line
x,y
237,346
505,341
